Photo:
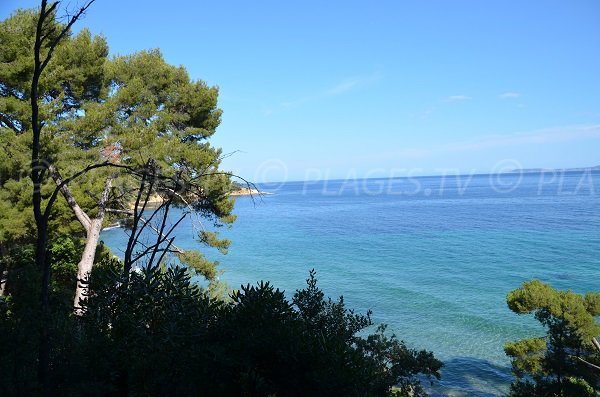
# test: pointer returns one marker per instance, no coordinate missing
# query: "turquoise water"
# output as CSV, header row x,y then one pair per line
x,y
433,257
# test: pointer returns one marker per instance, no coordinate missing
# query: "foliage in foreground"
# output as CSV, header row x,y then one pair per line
x,y
160,334
554,365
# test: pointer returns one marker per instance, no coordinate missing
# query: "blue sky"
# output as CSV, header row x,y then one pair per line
x,y
323,90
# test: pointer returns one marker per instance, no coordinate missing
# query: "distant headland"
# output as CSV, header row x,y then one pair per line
x,y
537,170
245,191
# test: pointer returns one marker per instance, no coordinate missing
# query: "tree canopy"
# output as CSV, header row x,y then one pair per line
x,y
115,113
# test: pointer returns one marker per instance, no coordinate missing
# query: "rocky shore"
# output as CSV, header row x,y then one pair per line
x,y
247,192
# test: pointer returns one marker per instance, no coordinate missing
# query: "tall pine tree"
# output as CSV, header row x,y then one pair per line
x,y
107,117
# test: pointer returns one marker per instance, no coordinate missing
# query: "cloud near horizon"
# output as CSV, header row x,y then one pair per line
x,y
510,94
540,137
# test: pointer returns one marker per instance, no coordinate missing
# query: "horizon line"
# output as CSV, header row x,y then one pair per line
x,y
515,171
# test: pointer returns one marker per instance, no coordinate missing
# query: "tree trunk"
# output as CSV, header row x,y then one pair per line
x,y
93,227
38,169
3,277
84,267
3,270
42,257
82,217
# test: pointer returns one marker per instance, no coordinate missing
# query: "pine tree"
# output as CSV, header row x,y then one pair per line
x,y
562,362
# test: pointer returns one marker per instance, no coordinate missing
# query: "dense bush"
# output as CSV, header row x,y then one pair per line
x,y
159,334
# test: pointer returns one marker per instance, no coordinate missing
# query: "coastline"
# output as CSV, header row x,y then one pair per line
x,y
248,192
155,201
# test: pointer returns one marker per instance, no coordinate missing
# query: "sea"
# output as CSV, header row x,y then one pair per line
x,y
432,257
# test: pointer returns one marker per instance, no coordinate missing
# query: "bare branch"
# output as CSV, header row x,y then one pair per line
x,y
175,249
596,344
597,368
165,238
139,214
63,32
170,242
132,238
162,237
162,227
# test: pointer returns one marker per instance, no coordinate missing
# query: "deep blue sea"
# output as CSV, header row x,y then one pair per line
x,y
433,257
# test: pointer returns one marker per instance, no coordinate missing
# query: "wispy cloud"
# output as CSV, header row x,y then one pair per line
x,y
343,87
510,94
455,98
293,103
538,137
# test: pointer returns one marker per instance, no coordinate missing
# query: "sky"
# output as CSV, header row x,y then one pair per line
x,y
345,89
